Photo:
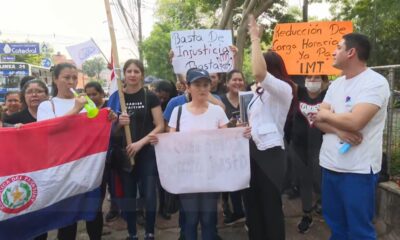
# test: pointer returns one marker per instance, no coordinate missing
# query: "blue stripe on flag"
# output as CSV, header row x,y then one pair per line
x,y
81,207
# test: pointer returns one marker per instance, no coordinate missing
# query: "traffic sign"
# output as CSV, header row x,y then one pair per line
x,y
19,48
46,62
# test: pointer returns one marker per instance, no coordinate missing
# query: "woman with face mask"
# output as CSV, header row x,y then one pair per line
x,y
306,143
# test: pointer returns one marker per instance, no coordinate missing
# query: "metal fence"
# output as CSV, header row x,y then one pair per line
x,y
392,128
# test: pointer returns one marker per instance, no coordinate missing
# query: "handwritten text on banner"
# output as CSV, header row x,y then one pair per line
x,y
203,161
307,48
206,49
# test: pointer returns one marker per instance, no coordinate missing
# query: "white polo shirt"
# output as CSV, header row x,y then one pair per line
x,y
343,94
267,113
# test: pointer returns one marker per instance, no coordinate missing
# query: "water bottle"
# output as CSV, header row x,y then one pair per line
x,y
91,109
344,148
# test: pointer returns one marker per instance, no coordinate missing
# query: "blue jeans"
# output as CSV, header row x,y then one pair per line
x,y
145,171
200,208
348,204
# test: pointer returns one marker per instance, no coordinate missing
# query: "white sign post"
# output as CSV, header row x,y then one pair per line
x,y
206,49
203,161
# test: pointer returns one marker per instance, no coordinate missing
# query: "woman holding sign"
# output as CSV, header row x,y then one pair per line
x,y
199,114
267,113
144,116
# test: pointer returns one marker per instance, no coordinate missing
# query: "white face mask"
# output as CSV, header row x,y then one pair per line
x,y
313,86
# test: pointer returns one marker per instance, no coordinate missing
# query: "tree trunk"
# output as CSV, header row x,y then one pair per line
x,y
305,11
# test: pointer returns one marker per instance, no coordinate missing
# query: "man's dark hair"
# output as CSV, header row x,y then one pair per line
x,y
360,42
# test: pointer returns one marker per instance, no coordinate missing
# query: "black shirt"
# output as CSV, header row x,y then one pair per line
x,y
141,119
23,116
305,135
231,111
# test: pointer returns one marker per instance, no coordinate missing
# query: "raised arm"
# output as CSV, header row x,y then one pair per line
x,y
258,64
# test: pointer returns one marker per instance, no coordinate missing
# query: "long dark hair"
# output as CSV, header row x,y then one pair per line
x,y
276,67
56,73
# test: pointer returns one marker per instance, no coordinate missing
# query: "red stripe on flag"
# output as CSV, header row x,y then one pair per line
x,y
50,143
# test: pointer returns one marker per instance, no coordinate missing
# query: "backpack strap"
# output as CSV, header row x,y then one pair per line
x,y
53,107
178,119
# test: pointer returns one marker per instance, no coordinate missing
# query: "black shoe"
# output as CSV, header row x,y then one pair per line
x,y
234,218
140,218
112,215
305,224
218,237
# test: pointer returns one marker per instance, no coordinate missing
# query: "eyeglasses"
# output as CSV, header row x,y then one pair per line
x,y
33,91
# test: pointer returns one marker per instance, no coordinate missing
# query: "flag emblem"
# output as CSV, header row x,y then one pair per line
x,y
17,194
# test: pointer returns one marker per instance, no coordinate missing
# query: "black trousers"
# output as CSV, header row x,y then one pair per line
x,y
265,216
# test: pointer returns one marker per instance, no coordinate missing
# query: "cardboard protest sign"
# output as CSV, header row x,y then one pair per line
x,y
212,161
206,49
307,48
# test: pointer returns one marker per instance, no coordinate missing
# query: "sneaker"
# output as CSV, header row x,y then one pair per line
x,y
234,218
218,237
149,236
132,238
305,224
112,215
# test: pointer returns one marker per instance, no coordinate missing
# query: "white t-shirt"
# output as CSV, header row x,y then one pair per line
x,y
213,118
343,94
267,113
61,107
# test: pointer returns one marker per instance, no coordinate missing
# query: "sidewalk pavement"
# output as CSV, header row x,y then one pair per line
x,y
169,230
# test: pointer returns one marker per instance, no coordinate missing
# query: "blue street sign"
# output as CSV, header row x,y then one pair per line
x,y
8,58
19,48
46,62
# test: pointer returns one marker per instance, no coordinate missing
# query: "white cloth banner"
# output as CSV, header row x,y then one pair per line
x,y
206,49
203,161
82,51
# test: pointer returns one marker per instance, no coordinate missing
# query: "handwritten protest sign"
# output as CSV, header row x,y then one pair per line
x,y
204,161
307,48
204,49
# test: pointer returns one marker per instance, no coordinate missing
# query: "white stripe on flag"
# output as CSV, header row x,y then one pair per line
x,y
63,181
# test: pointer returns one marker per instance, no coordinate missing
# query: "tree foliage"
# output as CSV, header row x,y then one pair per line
x,y
379,20
93,67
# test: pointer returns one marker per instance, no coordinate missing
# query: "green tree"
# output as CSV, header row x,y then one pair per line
x,y
93,67
155,51
379,20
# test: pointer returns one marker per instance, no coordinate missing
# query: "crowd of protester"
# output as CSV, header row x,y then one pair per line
x,y
286,130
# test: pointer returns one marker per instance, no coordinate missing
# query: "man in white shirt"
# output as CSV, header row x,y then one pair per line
x,y
353,112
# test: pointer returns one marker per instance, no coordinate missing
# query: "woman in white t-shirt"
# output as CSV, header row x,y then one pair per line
x,y
267,113
64,103
197,115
